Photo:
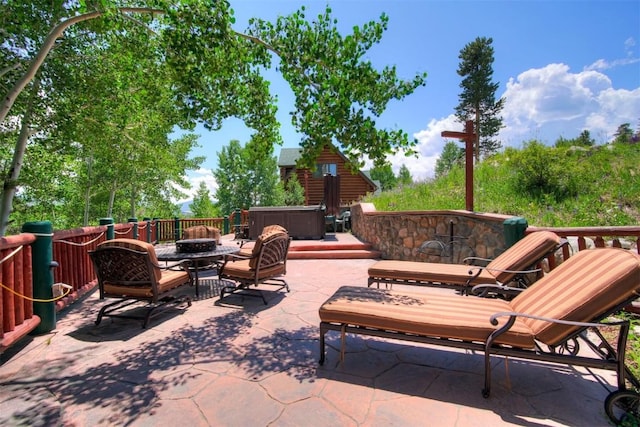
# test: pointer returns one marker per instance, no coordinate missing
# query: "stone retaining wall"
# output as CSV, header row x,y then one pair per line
x,y
430,236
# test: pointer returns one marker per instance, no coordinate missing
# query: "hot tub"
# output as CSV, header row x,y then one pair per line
x,y
302,222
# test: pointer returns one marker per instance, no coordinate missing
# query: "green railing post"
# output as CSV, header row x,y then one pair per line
x,y
135,226
225,225
237,220
176,236
154,222
148,221
41,265
110,228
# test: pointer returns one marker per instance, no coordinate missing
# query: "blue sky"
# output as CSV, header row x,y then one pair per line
x,y
563,66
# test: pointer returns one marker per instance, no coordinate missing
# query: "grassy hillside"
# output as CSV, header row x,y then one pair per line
x,y
549,186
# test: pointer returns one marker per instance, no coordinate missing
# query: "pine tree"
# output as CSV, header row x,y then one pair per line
x,y
202,205
477,100
404,176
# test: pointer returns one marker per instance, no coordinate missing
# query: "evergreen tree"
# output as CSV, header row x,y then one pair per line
x,y
477,100
585,139
404,176
385,176
202,205
293,192
624,134
451,155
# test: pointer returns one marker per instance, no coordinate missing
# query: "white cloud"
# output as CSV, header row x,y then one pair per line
x,y
429,148
603,64
201,175
543,104
546,103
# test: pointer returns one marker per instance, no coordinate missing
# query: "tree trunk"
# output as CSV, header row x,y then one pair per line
x,y
132,201
112,197
11,178
87,193
477,145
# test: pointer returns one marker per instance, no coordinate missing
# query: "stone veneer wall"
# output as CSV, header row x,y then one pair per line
x,y
400,235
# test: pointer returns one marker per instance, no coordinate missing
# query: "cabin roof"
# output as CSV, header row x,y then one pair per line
x,y
289,157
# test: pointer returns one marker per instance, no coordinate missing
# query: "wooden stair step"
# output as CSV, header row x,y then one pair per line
x,y
334,254
329,247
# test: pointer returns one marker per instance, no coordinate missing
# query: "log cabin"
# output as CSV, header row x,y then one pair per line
x,y
351,186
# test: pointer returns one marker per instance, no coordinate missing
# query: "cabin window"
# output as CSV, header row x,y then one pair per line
x,y
323,169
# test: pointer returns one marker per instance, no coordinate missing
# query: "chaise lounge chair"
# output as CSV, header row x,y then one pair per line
x,y
128,270
513,267
545,322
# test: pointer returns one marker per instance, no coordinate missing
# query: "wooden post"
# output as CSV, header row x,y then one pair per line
x,y
469,137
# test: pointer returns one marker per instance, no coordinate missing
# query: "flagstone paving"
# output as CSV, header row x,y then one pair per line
x,y
239,363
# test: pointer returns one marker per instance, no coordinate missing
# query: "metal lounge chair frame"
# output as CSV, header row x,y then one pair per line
x,y
128,271
545,322
266,265
515,267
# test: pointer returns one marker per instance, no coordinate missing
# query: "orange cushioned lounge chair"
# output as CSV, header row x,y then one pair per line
x,y
515,266
128,270
544,322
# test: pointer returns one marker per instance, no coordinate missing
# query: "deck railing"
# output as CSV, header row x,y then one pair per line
x,y
600,236
74,268
16,312
71,252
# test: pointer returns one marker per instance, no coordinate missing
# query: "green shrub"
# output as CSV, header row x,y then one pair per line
x,y
550,186
539,172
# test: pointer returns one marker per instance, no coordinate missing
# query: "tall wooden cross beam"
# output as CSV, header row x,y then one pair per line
x,y
469,137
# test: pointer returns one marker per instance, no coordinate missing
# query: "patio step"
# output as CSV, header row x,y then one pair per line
x,y
333,254
331,250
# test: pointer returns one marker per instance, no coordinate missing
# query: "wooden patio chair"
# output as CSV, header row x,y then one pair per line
x,y
545,322
266,265
128,270
515,267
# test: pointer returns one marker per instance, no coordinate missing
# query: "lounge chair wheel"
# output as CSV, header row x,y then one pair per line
x,y
623,407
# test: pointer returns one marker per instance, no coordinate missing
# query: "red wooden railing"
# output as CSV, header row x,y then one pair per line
x,y
601,237
16,312
167,227
71,252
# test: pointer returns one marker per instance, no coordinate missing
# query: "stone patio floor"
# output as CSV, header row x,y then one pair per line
x,y
241,363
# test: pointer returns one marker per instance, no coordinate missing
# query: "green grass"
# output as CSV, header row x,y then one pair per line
x,y
599,186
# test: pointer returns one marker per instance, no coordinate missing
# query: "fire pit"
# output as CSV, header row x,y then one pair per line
x,y
195,245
